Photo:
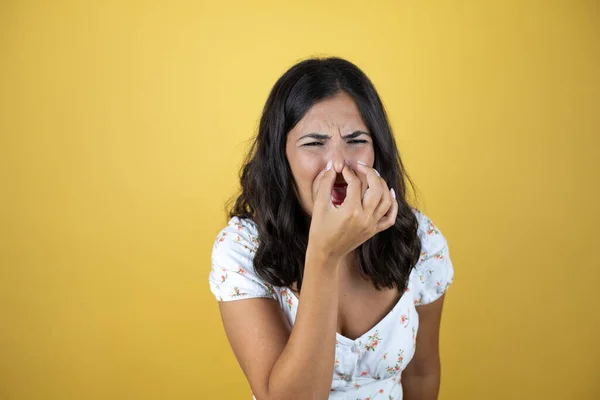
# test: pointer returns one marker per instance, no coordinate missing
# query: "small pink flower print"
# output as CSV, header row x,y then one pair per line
x,y
418,302
404,320
431,228
397,367
384,356
270,289
288,297
401,356
438,283
380,391
242,271
337,362
374,341
237,292
224,277
364,373
357,386
222,238
238,238
439,255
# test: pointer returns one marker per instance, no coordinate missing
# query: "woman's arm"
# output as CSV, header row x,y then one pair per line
x,y
421,378
283,365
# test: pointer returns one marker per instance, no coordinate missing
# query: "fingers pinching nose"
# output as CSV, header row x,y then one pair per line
x,y
351,164
365,165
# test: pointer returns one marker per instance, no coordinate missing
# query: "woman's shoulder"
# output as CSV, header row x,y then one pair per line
x,y
431,236
241,225
232,275
238,232
434,272
426,226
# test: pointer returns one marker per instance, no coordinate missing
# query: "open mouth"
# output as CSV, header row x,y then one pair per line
x,y
338,193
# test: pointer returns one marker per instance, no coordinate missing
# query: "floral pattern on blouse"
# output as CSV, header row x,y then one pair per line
x,y
373,341
369,367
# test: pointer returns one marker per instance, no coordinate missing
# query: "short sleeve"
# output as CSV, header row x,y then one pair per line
x,y
232,275
433,273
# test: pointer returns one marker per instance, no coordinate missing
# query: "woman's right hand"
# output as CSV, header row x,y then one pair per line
x,y
337,230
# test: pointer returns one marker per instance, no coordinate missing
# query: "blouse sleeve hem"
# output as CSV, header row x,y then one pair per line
x,y
227,299
435,297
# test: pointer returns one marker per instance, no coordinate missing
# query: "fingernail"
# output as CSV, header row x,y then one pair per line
x,y
393,193
377,172
328,166
361,163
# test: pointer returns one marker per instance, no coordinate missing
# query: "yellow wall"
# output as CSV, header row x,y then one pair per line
x,y
123,126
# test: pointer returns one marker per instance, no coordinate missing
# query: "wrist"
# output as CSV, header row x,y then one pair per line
x,y
321,257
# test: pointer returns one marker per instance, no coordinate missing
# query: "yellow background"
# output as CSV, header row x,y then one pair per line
x,y
123,125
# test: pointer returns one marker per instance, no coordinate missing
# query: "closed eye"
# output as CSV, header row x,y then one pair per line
x,y
321,143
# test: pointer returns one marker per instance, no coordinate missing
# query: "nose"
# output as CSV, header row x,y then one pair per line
x,y
338,156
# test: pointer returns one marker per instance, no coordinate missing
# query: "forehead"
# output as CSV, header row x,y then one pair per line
x,y
337,113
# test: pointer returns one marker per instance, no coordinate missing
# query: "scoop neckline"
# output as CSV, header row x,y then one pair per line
x,y
346,340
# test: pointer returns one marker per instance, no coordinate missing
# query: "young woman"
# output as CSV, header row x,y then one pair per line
x,y
338,282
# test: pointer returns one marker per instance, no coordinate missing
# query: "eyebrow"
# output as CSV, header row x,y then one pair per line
x,y
319,136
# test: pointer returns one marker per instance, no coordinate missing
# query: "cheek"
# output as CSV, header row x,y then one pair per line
x,y
306,169
364,154
368,155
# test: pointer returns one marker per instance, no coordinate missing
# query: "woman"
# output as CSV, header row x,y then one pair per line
x,y
340,283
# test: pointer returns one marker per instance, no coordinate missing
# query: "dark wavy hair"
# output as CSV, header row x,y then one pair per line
x,y
268,195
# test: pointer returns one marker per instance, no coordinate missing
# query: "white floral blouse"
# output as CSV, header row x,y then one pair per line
x,y
369,367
